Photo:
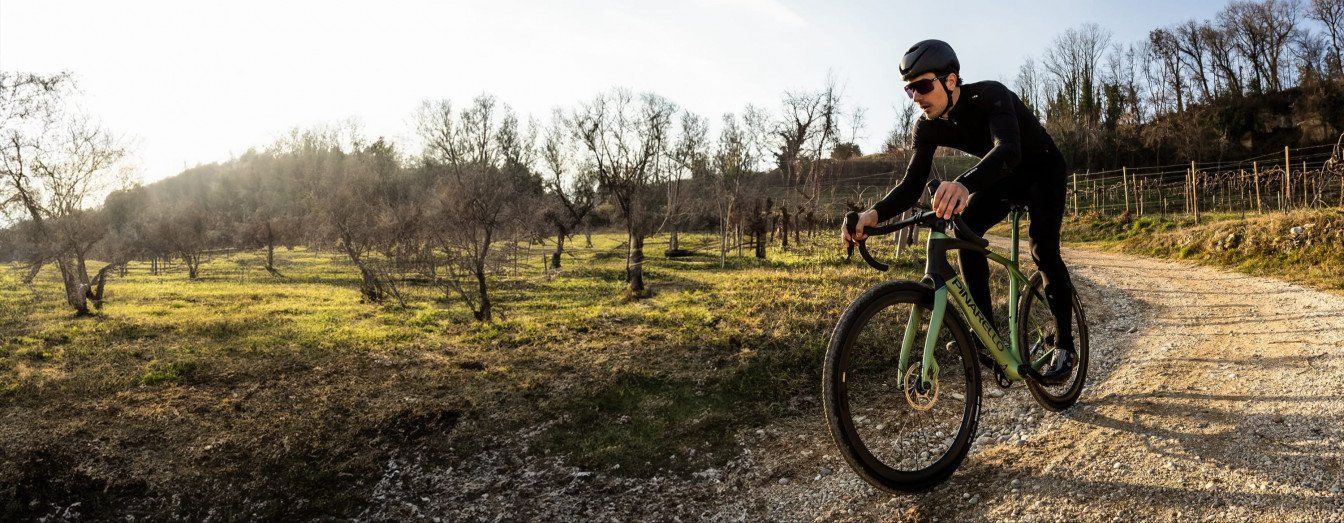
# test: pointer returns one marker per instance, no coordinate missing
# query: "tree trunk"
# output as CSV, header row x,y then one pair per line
x,y
99,283
784,226
723,242
83,268
270,250
193,262
559,249
797,226
635,265
368,287
33,269
483,290
76,292
672,244
760,245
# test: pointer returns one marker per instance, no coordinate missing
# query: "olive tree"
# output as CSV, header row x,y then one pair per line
x,y
625,136
54,162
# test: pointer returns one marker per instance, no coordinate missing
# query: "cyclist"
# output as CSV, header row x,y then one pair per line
x,y
1019,164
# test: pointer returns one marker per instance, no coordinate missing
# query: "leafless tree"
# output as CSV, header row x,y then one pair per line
x,y
1193,52
482,159
625,136
354,205
572,184
685,158
1263,32
1330,13
1028,85
902,135
1221,41
1073,61
1123,70
55,161
1162,49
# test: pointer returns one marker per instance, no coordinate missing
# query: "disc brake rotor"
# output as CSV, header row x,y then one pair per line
x,y
919,397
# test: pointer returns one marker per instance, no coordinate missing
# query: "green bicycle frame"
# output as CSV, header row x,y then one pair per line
x,y
1005,352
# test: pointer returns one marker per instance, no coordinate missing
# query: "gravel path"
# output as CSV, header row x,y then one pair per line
x,y
1211,396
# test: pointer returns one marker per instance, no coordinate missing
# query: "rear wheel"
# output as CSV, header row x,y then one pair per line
x,y
1036,328
897,433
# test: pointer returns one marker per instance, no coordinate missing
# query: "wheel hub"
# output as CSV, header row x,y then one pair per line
x,y
919,396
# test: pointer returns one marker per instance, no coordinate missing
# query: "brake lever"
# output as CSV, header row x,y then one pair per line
x,y
863,251
851,224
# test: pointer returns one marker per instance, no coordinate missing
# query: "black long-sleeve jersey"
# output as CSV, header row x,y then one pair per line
x,y
988,121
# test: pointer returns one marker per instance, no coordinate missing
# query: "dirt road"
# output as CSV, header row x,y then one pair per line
x,y
1212,396
1215,395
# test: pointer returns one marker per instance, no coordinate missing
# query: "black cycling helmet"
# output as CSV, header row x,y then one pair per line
x,y
929,56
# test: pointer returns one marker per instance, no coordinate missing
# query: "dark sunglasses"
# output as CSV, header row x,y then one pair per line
x,y
921,86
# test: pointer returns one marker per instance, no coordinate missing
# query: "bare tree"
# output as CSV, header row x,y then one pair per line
x,y
902,138
626,136
54,162
685,158
482,162
1162,48
1123,70
354,204
1193,52
1027,84
1221,41
268,205
1330,13
1073,62
1263,33
572,184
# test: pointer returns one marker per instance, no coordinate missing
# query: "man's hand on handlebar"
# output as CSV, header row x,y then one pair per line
x,y
867,218
950,198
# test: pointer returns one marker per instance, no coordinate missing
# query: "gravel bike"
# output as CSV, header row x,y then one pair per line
x,y
901,380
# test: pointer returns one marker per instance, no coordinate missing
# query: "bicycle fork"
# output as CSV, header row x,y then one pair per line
x,y
928,368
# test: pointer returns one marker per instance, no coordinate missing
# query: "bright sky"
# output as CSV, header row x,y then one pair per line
x,y
196,82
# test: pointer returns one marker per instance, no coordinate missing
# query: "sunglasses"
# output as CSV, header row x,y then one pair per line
x,y
921,86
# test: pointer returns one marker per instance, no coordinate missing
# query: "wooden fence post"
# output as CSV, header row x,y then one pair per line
x,y
1187,207
1194,185
1075,194
1255,170
1124,179
1287,181
1307,190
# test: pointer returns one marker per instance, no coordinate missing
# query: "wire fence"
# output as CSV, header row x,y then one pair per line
x,y
1296,178
1303,178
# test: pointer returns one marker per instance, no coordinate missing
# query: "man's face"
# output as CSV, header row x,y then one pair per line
x,y
935,100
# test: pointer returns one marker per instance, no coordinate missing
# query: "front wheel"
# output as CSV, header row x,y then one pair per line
x,y
898,433
1037,331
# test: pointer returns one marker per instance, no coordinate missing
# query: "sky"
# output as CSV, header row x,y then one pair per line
x,y
197,82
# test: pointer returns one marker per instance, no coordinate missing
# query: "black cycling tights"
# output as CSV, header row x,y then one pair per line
x,y
1045,207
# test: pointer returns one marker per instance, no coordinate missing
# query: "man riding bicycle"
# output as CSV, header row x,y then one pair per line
x,y
1019,164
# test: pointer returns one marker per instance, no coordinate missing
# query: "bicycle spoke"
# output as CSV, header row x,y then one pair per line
x,y
897,431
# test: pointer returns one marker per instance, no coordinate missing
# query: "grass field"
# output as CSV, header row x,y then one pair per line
x,y
286,396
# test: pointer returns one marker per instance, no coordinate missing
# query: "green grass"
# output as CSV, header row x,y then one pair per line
x,y
243,386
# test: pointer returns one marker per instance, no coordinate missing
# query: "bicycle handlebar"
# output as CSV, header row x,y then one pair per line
x,y
926,218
